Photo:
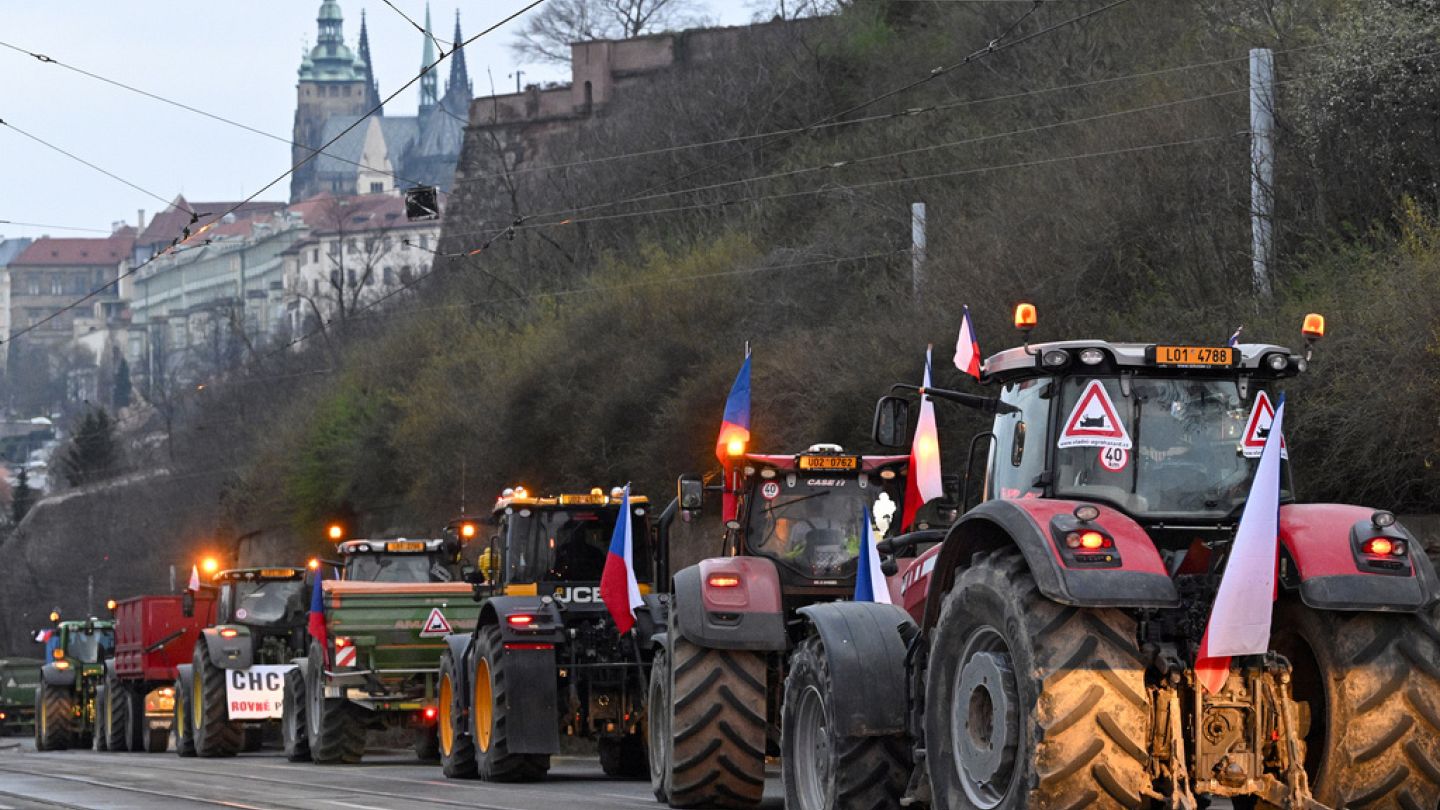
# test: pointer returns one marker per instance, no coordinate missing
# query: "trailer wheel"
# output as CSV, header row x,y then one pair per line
x,y
184,736
116,704
660,711
718,726
822,770
624,756
137,725
335,726
292,719
210,726
1030,703
54,717
427,743
1372,682
457,747
489,720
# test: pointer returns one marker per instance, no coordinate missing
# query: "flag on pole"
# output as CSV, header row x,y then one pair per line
x,y
1235,338
922,484
869,579
1240,618
44,635
967,348
316,624
734,435
618,588
194,579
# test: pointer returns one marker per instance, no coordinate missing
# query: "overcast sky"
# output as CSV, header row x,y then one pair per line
x,y
238,60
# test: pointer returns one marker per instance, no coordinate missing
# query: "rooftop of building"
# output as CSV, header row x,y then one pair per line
x,y
170,224
110,250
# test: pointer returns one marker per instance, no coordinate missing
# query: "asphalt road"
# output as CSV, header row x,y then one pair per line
x,y
385,781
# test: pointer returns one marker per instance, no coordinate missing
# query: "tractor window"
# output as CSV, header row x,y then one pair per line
x,y
570,545
1185,458
1019,454
88,647
812,525
270,601
396,568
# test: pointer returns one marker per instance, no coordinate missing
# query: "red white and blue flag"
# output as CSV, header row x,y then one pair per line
x,y
618,588
1240,618
869,579
44,635
1235,338
923,484
967,348
316,624
734,436
194,579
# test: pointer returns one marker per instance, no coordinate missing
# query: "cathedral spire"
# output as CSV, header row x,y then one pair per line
x,y
372,88
459,77
428,95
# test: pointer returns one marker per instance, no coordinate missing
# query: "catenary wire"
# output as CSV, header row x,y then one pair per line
x,y
83,161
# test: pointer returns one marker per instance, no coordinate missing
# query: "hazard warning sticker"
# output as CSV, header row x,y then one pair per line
x,y
435,625
1257,428
1094,422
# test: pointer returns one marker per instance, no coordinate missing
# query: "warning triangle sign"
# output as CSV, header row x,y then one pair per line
x,y
1257,428
1094,422
436,625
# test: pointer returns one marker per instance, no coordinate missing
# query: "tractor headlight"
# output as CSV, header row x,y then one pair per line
x,y
1055,358
1277,361
1092,357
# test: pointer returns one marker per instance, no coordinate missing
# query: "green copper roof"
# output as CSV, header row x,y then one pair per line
x,y
331,60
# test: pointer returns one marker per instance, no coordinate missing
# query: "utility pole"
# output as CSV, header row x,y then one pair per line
x,y
917,247
1262,167
90,595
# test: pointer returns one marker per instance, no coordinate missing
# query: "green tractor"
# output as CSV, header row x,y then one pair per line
x,y
19,681
235,683
65,705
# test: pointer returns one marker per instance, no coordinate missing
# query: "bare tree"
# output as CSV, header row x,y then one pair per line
x,y
766,10
548,33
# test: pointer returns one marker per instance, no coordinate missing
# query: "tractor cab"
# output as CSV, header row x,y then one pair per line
x,y
557,545
265,599
806,511
400,560
77,643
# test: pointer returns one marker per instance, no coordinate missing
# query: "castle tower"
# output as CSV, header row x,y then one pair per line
x,y
458,92
428,95
372,88
333,81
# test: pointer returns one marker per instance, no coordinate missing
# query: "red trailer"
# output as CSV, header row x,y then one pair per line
x,y
153,636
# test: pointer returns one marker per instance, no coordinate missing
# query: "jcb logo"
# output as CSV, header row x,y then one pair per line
x,y
579,593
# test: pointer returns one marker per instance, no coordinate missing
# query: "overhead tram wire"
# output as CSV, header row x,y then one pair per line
x,y
52,227
237,206
196,110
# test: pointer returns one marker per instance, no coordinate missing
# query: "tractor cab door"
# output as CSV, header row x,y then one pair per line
x,y
1019,453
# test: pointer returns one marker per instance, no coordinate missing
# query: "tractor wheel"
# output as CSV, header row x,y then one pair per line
x,y
661,742
54,717
292,720
717,726
116,703
624,756
335,726
99,731
1032,704
457,747
822,770
489,717
184,735
427,743
214,734
1372,682
137,725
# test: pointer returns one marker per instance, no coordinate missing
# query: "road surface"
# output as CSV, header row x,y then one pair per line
x,y
385,781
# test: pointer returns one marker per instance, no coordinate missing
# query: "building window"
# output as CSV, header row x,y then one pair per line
x,y
333,249
388,244
315,287
334,91
377,188
34,285
424,241
315,255
350,247
389,276
351,278
335,279
57,285
405,274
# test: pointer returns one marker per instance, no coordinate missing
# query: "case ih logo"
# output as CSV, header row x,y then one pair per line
x,y
578,594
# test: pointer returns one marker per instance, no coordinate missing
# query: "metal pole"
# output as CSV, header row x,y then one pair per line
x,y
90,595
172,580
1262,166
917,247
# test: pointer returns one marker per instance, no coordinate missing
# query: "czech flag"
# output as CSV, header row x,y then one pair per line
x,y
1235,338
967,348
923,485
194,579
316,625
44,635
618,588
869,579
1240,618
735,426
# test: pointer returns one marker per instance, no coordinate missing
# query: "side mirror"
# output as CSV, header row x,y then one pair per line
x,y
692,493
187,604
892,422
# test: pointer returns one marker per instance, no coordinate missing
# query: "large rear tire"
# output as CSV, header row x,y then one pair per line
x,y
99,736
1372,681
336,727
117,714
662,741
490,720
457,747
214,734
292,721
54,717
821,769
718,727
1030,703
184,735
137,725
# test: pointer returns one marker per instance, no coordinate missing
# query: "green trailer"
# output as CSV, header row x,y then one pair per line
x,y
19,681
378,664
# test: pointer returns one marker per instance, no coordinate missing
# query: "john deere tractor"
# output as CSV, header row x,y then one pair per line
x,y
65,705
1051,651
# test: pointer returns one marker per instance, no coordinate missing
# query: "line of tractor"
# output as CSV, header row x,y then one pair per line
x,y
1053,627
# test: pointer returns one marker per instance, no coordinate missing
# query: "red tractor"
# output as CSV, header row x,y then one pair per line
x,y
716,682
1044,654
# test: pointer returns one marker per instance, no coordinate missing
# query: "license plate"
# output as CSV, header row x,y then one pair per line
x,y
406,545
1196,356
829,463
276,573
582,500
